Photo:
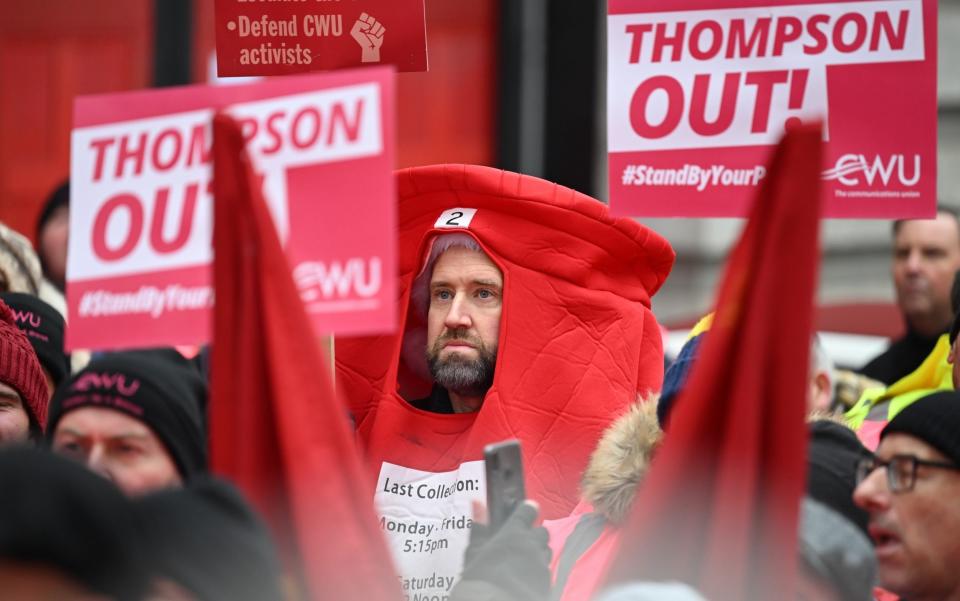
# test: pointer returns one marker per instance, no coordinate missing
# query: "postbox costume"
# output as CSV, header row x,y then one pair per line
x,y
577,343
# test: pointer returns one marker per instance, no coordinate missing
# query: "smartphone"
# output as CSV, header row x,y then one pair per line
x,y
505,489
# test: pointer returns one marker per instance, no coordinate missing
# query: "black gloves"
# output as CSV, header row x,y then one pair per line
x,y
510,564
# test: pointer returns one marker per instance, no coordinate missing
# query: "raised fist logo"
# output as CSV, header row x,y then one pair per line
x,y
368,32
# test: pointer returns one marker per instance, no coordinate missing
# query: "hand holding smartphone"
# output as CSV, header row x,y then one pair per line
x,y
505,485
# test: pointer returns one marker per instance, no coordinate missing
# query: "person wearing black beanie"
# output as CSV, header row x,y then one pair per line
x,y
910,489
135,418
65,533
953,357
44,327
206,541
831,469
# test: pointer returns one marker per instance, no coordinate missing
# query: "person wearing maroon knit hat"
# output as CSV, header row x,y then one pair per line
x,y
23,388
44,327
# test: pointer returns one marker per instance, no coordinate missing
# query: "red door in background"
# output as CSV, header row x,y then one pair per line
x,y
51,51
448,114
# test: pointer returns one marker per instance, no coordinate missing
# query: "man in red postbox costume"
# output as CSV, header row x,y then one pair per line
x,y
524,313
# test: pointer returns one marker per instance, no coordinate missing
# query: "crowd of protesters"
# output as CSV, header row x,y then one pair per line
x,y
106,491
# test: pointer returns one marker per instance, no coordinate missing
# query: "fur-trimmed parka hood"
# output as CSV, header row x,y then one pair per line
x,y
20,270
621,460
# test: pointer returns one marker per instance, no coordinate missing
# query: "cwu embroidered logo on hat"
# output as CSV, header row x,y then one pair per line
x,y
27,317
107,381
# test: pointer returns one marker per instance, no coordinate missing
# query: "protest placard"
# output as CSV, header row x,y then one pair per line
x,y
698,93
278,38
138,269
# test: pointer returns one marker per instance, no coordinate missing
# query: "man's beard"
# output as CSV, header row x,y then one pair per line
x,y
458,374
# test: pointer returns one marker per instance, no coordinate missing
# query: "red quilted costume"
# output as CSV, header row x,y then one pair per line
x,y
578,340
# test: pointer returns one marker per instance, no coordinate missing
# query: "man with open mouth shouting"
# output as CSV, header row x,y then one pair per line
x,y
910,489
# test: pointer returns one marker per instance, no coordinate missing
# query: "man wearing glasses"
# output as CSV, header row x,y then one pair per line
x,y
911,489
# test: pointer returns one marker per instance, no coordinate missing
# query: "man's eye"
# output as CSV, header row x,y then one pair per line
x,y
70,448
442,295
126,449
484,293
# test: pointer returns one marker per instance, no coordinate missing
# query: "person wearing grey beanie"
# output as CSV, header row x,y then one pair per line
x,y
835,553
910,489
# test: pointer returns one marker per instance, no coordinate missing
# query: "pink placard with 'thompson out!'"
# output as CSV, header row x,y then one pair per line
x,y
699,91
138,269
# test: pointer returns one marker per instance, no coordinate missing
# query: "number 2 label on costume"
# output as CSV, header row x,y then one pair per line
x,y
455,218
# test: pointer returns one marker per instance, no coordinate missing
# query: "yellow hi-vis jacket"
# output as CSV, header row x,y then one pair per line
x,y
933,374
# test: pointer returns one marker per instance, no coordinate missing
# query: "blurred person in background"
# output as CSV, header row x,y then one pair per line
x,y
203,542
65,534
820,396
53,226
20,270
24,395
926,255
953,357
836,564
821,379
45,329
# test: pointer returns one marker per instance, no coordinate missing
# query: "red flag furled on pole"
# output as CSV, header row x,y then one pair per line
x,y
276,427
720,505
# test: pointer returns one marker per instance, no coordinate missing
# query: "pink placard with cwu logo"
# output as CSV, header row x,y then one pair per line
x,y
700,91
139,261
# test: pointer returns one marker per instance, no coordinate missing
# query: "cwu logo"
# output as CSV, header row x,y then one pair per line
x,y
26,318
353,278
106,381
857,170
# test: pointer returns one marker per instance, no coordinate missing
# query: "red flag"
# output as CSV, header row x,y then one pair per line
x,y
276,427
719,507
